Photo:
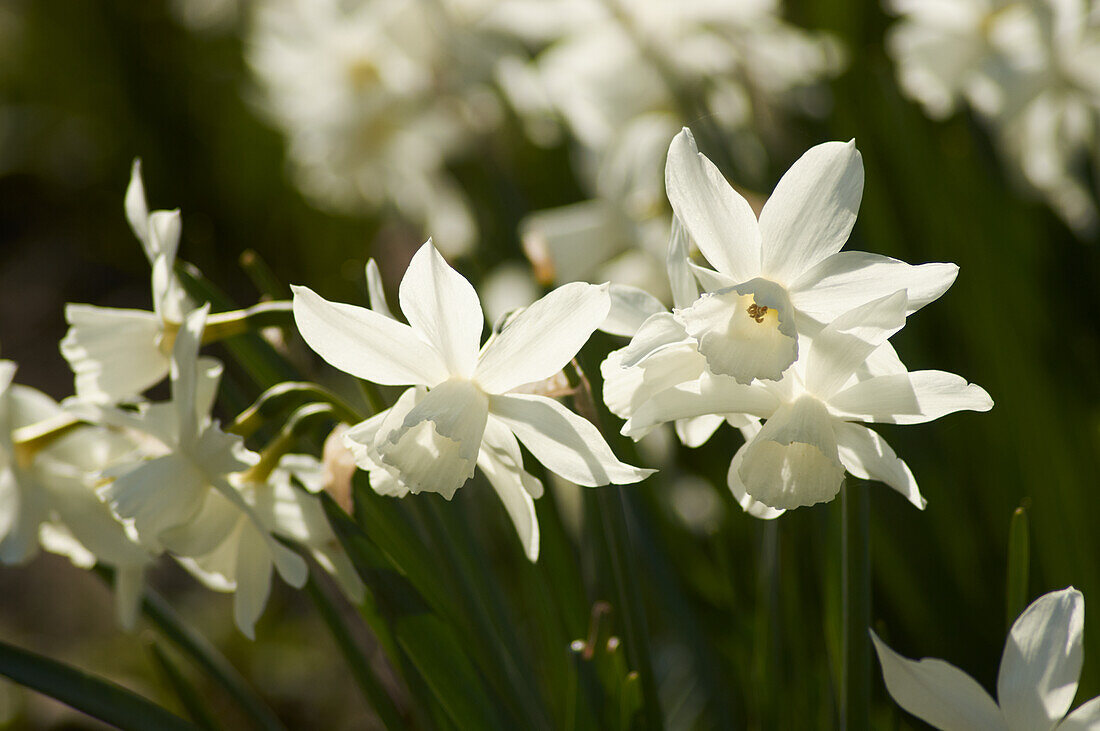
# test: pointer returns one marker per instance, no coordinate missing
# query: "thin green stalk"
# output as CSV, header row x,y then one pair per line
x,y
263,278
188,696
855,707
222,325
326,602
284,396
207,657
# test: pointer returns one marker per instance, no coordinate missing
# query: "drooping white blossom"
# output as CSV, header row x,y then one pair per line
x,y
1036,684
118,353
813,432
466,408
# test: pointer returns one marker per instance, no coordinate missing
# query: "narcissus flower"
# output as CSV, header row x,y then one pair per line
x,y
470,411
813,433
784,274
118,353
1036,684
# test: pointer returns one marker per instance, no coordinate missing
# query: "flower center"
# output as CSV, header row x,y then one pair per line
x,y
757,312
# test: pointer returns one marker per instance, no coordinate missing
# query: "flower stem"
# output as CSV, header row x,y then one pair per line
x,y
1016,585
855,705
223,325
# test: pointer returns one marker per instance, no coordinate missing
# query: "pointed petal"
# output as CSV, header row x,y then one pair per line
x,y
680,279
435,447
1085,718
541,340
507,476
630,307
719,219
793,461
846,342
253,574
867,456
1042,661
910,398
746,332
164,235
850,278
184,371
812,210
137,210
114,353
710,280
626,389
442,305
502,442
159,494
564,442
709,395
659,331
937,692
375,291
364,343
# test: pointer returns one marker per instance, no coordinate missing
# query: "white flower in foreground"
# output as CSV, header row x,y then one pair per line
x,y
470,413
784,274
849,374
1035,686
242,563
118,353
174,495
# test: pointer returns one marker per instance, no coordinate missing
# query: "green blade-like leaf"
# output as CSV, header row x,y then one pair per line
x,y
1018,564
188,696
87,693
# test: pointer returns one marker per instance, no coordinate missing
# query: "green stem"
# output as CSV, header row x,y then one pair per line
x,y
1018,554
281,397
207,657
295,426
222,325
856,610
263,278
188,696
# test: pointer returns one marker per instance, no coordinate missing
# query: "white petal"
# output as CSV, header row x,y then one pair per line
x,y
793,461
253,580
680,279
695,432
113,353
375,291
910,398
498,460
630,307
435,447
567,444
164,236
1085,717
710,280
751,506
542,339
360,438
216,521
812,210
137,210
159,494
22,509
746,332
184,371
719,219
846,342
850,278
937,692
709,395
442,305
659,331
364,343
1042,661
867,456
625,389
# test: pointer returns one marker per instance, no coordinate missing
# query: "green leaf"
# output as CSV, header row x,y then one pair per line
x,y
188,697
90,694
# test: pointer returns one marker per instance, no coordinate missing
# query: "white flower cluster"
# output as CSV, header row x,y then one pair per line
x,y
621,76
107,477
788,329
1029,68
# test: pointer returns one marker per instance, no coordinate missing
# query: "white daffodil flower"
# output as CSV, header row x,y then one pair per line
x,y
1036,684
470,414
242,563
118,353
784,274
812,433
23,504
173,496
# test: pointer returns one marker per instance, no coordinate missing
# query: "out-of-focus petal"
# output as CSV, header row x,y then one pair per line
x,y
114,353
